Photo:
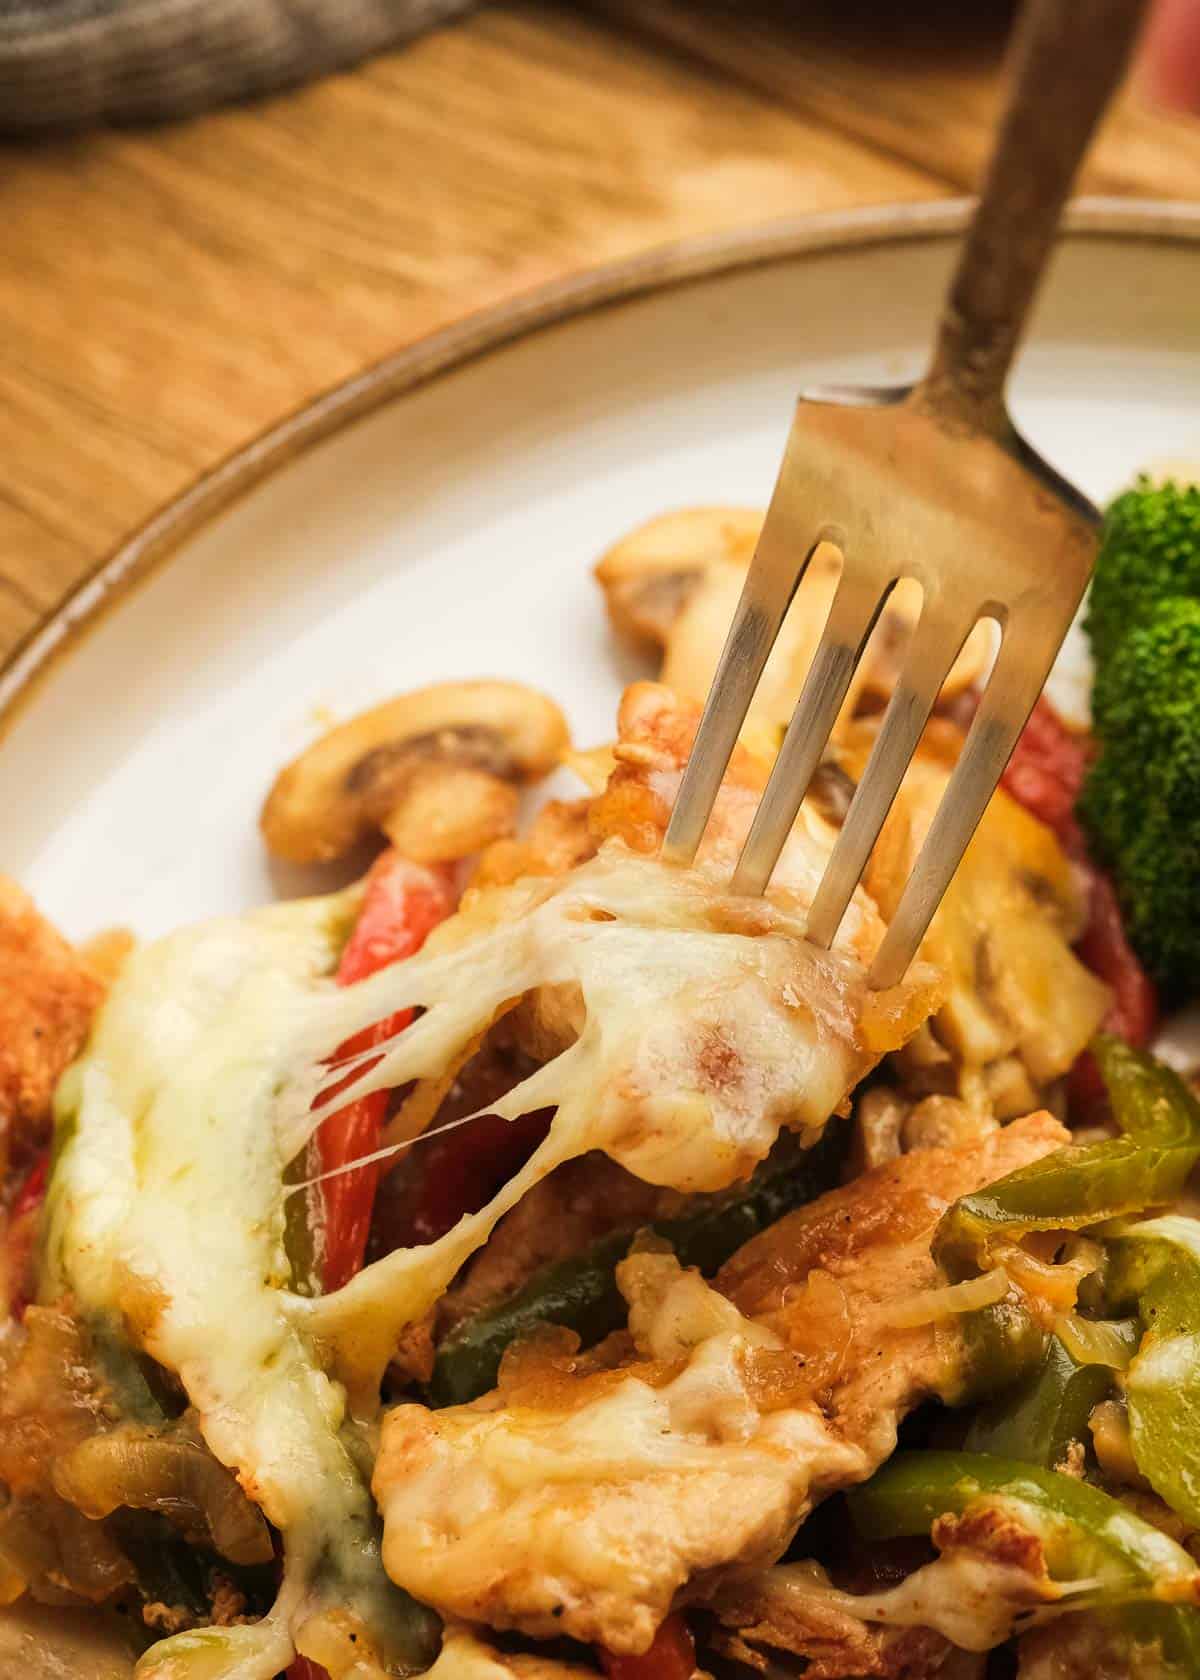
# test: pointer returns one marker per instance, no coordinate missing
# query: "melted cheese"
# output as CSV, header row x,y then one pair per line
x,y
586,1514
167,1209
708,1025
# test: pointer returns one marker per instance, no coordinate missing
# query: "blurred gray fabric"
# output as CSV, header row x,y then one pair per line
x,y
64,63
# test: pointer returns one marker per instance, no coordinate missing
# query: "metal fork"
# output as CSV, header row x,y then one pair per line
x,y
933,482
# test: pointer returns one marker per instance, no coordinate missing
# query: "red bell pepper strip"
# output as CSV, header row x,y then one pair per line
x,y
1133,1016
33,1192
1045,774
671,1657
403,903
1046,771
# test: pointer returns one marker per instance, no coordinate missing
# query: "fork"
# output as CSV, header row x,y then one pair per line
x,y
933,482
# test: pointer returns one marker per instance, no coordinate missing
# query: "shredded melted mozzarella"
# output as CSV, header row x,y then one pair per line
x,y
708,1024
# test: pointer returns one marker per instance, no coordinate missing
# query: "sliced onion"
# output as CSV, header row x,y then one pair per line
x,y
58,1554
947,1302
178,1478
1095,1341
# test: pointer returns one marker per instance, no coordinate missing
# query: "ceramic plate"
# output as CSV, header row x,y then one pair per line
x,y
439,518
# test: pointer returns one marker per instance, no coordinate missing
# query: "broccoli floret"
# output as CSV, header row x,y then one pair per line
x,y
1141,801
1150,551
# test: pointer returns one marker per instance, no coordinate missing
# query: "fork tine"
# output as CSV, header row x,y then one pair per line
x,y
856,606
939,635
773,578
1021,668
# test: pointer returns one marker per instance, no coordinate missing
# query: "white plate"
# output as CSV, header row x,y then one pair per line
x,y
451,531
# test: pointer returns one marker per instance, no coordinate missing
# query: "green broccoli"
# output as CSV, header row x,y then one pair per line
x,y
1149,552
1141,801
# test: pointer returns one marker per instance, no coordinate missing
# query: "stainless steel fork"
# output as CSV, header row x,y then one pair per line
x,y
932,482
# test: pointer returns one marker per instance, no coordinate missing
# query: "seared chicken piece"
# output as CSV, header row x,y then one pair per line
x,y
1020,1006
559,838
837,1279
48,996
655,732
988,1580
587,1492
764,1616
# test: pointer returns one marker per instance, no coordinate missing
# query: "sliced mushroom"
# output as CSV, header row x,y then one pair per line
x,y
889,643
674,582
648,577
436,770
698,635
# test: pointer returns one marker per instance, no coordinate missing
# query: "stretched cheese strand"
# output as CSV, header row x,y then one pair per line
x,y
709,1024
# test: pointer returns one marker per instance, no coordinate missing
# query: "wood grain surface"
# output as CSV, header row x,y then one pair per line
x,y
167,293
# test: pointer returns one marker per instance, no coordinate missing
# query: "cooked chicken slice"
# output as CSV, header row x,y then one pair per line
x,y
558,838
836,1279
1020,1005
48,996
655,731
583,1495
990,1577
763,1616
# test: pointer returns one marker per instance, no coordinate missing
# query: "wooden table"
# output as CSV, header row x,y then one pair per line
x,y
165,294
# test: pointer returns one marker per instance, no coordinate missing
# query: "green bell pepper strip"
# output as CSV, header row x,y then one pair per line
x,y
1047,1410
1082,1185
1134,1573
1155,1266
1001,1345
581,1292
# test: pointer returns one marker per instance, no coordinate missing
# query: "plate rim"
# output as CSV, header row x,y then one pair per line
x,y
660,269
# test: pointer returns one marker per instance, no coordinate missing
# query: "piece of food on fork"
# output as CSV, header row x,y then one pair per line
x,y
932,483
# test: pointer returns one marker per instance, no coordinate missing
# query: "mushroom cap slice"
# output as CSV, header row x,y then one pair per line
x,y
674,582
450,811
649,575
435,769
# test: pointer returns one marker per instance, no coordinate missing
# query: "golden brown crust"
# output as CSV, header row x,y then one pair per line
x,y
558,839
48,996
880,1211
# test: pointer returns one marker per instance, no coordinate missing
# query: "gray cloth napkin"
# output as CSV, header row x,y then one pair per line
x,y
69,62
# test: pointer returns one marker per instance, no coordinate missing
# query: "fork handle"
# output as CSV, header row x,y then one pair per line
x,y
1066,59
